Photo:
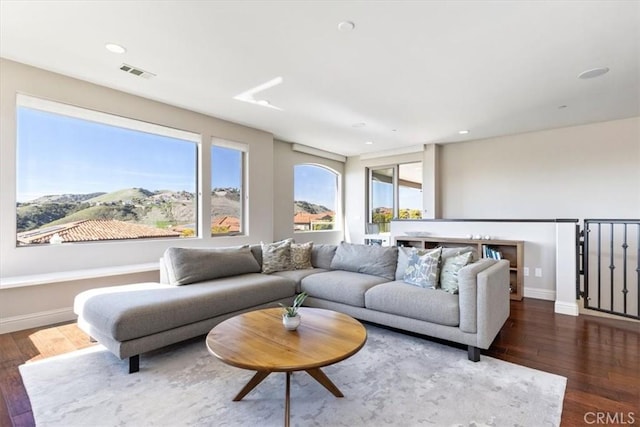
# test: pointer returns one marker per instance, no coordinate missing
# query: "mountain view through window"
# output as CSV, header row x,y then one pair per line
x,y
81,180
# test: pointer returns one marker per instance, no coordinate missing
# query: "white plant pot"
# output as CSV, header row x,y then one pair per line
x,y
291,323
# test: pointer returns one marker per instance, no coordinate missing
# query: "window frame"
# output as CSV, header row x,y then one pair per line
x,y
243,148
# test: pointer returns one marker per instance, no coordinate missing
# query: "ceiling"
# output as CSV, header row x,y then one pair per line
x,y
412,72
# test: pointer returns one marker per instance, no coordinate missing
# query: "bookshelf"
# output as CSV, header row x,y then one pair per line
x,y
511,250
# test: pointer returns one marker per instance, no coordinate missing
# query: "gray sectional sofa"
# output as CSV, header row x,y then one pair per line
x,y
202,287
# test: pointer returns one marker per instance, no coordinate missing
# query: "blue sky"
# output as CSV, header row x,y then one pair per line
x,y
315,184
64,155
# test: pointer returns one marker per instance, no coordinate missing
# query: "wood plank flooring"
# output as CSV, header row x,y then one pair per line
x,y
600,357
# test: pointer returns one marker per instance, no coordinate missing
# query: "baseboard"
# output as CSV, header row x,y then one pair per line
x,y
544,294
36,320
569,308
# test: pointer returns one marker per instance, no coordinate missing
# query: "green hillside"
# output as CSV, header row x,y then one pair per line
x,y
126,195
32,216
121,213
307,207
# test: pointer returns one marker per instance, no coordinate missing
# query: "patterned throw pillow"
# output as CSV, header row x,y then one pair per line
x,y
301,255
450,269
422,268
276,256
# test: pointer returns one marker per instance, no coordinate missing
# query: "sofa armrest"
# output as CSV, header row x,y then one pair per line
x,y
494,303
468,294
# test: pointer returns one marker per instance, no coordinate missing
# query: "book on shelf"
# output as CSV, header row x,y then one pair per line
x,y
489,252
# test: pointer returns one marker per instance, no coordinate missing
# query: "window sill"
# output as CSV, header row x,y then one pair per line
x,y
68,276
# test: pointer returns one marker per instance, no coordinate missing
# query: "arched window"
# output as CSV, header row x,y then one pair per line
x,y
315,198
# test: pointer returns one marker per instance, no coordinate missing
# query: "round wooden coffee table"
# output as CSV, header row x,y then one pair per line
x,y
258,341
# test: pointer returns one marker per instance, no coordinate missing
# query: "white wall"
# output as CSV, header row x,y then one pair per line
x,y
16,303
285,160
590,171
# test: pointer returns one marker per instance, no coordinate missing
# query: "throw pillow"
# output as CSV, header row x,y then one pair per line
x,y
276,256
450,268
403,260
422,268
191,265
301,255
455,251
375,260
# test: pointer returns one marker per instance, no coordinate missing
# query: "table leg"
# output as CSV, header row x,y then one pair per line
x,y
287,401
320,376
253,382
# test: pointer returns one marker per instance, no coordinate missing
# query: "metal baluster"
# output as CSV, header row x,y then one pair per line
x,y
624,270
599,262
611,267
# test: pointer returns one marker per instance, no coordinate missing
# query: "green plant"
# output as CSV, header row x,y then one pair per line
x,y
292,310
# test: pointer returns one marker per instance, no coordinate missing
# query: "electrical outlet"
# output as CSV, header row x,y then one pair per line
x,y
526,271
538,272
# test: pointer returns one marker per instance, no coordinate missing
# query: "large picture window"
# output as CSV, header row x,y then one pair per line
x,y
88,176
227,187
315,198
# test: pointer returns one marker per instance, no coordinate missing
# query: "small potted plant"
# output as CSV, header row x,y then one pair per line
x,y
290,316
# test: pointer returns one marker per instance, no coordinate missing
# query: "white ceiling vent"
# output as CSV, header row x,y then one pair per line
x,y
136,71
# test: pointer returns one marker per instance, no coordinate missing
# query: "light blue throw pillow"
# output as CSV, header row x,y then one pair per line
x,y
451,266
423,268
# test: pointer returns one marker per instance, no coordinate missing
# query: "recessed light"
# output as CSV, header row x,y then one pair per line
x,y
596,72
463,132
346,26
369,142
115,48
358,125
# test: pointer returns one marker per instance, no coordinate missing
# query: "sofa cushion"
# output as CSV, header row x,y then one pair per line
x,y
402,299
449,271
298,275
130,312
276,256
345,287
322,255
256,250
423,268
301,255
192,265
375,260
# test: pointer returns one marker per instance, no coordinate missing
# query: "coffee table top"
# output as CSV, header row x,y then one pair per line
x,y
257,340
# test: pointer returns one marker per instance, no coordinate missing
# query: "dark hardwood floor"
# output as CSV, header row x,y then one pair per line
x,y
600,357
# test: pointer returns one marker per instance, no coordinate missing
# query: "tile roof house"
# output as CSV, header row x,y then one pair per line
x,y
304,220
232,223
93,229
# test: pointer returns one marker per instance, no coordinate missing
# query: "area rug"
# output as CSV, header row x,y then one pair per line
x,y
395,380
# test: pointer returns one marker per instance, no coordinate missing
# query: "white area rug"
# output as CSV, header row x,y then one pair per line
x,y
395,380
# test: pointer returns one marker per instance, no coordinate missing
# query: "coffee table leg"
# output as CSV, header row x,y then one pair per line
x,y
253,382
287,400
320,376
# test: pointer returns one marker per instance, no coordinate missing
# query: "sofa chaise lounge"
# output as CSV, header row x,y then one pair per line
x,y
200,288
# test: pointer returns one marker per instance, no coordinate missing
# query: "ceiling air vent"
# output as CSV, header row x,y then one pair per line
x,y
136,71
